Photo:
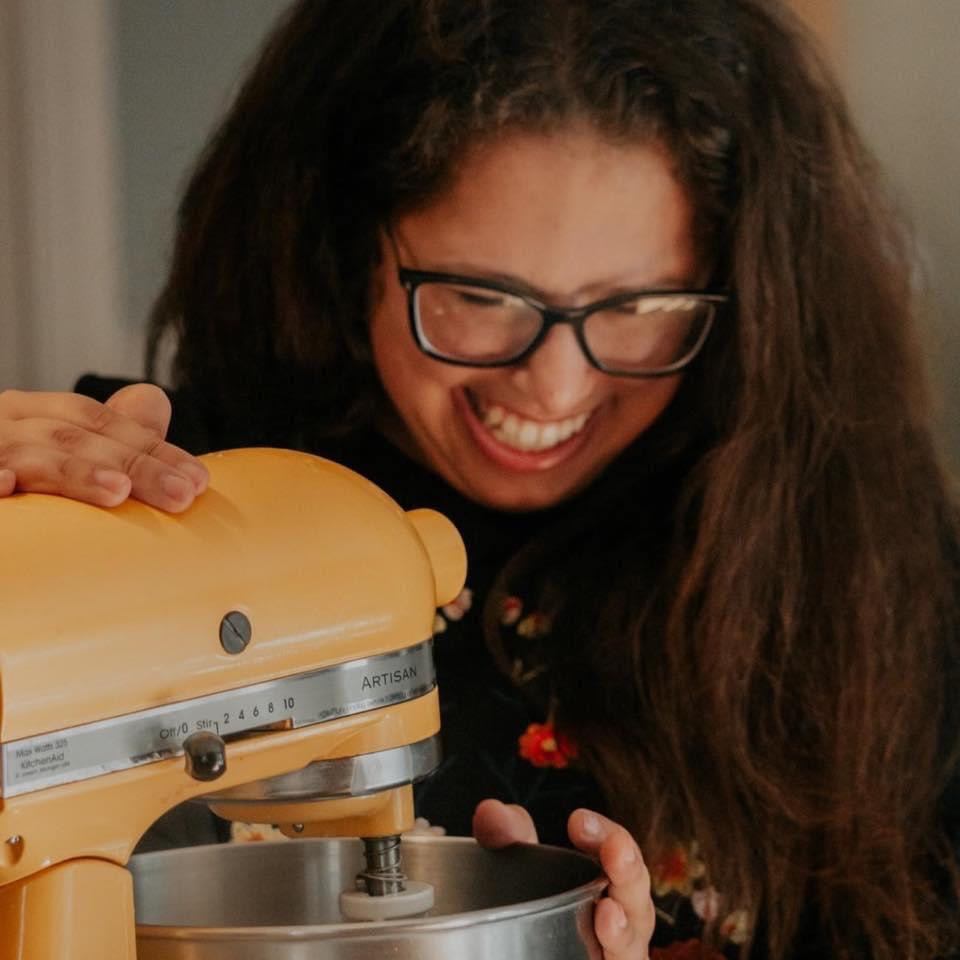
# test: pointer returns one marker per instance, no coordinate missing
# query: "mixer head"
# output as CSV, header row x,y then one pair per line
x,y
276,635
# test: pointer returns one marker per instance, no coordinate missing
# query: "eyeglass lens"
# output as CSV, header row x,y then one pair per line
x,y
479,325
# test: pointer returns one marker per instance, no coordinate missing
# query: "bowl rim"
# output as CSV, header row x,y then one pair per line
x,y
586,894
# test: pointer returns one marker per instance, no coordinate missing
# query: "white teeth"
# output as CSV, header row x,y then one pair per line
x,y
529,435
494,416
550,434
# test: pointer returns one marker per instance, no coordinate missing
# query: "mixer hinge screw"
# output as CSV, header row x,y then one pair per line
x,y
235,632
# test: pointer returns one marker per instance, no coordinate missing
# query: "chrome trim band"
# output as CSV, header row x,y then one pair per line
x,y
118,743
342,777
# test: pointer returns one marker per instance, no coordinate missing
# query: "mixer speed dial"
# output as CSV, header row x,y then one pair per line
x,y
205,755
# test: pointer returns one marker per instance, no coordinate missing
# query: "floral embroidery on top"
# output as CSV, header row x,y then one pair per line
x,y
736,928
460,604
544,746
453,611
677,871
510,611
684,899
679,878
541,743
534,625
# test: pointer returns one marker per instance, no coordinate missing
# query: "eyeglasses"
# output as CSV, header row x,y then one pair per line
x,y
481,323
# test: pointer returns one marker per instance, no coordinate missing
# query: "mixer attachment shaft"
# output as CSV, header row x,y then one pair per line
x,y
384,872
383,891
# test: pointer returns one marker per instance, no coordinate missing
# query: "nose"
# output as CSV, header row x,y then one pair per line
x,y
557,376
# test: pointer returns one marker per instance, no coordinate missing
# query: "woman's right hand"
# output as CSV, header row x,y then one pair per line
x,y
100,453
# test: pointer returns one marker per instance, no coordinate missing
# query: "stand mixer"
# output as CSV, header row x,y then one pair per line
x,y
267,651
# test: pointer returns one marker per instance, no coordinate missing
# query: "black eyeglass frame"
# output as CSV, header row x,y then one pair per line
x,y
551,316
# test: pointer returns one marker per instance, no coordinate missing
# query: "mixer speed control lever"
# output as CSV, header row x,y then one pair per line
x,y
206,756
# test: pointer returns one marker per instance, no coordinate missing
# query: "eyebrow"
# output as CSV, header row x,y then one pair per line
x,y
599,290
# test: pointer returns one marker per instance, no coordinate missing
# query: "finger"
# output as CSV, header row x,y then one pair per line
x,y
103,420
618,939
45,470
623,922
149,406
145,403
8,482
497,824
62,459
100,437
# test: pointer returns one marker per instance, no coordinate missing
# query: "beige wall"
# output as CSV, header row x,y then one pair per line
x,y
900,65
902,69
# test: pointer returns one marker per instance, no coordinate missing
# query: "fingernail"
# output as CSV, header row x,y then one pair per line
x,y
621,919
195,472
112,480
590,825
176,487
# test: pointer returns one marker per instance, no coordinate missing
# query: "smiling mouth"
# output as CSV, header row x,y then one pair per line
x,y
527,436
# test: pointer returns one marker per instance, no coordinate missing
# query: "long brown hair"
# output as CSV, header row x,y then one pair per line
x,y
771,660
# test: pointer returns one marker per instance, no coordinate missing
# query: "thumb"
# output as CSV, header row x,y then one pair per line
x,y
145,403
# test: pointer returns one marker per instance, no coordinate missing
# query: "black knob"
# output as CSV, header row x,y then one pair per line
x,y
206,755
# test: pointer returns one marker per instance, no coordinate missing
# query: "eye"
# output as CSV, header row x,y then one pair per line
x,y
478,297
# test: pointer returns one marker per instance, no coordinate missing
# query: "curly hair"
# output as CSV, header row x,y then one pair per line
x,y
774,681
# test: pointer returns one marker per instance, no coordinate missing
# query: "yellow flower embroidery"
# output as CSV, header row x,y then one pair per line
x,y
534,625
677,871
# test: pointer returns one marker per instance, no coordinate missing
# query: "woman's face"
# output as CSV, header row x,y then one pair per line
x,y
570,218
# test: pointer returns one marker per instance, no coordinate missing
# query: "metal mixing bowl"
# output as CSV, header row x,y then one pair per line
x,y
279,901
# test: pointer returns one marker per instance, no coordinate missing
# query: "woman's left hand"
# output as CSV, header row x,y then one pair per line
x,y
624,919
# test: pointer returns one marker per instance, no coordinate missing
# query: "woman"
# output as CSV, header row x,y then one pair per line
x,y
612,285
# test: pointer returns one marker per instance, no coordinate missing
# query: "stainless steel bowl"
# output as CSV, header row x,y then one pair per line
x,y
279,901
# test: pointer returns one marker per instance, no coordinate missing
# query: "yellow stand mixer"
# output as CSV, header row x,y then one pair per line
x,y
269,650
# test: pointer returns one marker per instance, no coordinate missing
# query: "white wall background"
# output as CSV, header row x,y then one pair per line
x,y
59,279
177,64
104,103
103,106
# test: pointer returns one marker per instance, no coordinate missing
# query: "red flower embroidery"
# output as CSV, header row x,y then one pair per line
x,y
544,746
688,950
